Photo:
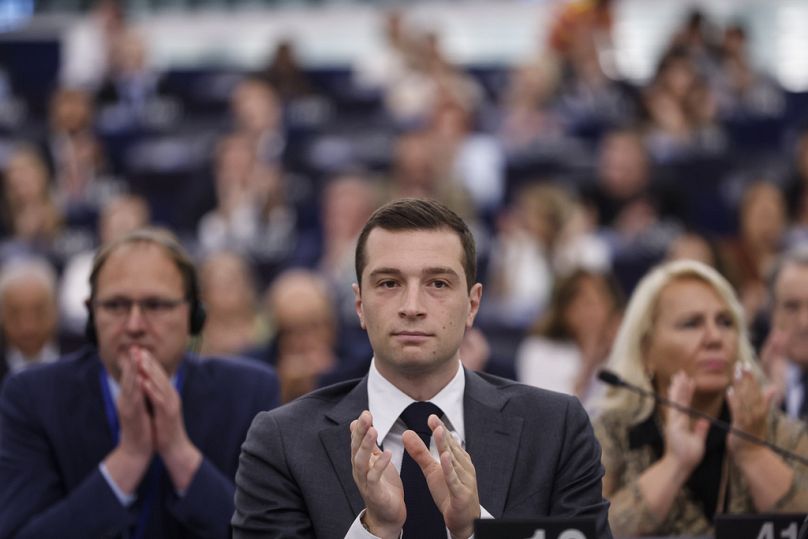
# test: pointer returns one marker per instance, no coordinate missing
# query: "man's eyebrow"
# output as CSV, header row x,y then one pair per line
x,y
439,271
385,271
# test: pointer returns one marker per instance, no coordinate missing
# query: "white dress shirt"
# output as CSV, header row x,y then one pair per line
x,y
795,392
386,402
17,361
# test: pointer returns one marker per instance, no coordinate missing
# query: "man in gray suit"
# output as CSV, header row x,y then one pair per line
x,y
418,445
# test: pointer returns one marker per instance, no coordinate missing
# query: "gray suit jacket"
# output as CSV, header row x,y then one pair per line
x,y
534,452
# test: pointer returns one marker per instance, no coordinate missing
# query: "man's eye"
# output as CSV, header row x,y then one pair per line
x,y
388,284
440,284
117,305
154,305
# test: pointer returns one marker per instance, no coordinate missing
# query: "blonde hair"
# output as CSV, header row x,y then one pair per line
x,y
626,358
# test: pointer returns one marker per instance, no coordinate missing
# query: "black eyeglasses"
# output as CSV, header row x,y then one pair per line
x,y
149,307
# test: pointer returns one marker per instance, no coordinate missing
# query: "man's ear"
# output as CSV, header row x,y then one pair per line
x,y
475,296
358,304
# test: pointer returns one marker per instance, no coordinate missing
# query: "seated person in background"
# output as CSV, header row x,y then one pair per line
x,y
234,323
683,336
785,354
137,437
573,337
750,255
690,245
120,215
29,215
28,315
305,325
314,467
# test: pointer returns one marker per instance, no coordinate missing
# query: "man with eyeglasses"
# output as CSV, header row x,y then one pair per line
x,y
137,438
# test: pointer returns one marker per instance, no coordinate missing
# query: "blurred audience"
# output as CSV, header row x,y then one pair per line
x,y
228,290
580,20
684,336
691,245
133,94
795,189
87,44
749,257
31,217
347,201
528,118
625,197
415,172
75,154
252,214
387,61
29,317
305,331
467,157
121,215
257,115
285,73
743,91
428,80
520,272
573,337
784,355
682,112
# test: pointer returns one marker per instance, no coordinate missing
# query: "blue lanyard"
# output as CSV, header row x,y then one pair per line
x,y
155,471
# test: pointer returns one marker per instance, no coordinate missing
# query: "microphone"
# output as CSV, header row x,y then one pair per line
x,y
613,379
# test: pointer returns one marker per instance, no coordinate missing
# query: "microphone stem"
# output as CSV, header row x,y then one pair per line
x,y
723,425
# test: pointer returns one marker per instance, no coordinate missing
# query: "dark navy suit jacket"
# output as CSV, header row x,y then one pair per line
x,y
534,452
54,433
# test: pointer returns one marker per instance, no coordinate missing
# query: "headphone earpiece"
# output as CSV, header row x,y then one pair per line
x,y
197,317
89,329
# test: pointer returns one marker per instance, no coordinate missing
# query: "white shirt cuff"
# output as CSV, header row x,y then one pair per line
x,y
125,499
358,531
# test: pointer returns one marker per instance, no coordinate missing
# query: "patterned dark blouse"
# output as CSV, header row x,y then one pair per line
x,y
628,450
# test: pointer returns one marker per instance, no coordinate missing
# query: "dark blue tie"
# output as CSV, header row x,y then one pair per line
x,y
424,520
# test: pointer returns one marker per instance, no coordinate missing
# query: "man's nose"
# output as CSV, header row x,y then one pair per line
x,y
412,304
134,319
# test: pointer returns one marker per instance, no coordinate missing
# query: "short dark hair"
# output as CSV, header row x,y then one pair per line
x,y
160,237
797,256
418,214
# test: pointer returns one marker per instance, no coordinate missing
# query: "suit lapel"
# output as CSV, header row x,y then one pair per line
x,y
84,403
336,439
492,440
198,387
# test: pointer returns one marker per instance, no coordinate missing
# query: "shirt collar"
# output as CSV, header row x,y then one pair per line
x,y
17,361
794,375
386,402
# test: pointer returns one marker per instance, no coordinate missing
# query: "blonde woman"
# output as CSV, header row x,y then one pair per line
x,y
683,336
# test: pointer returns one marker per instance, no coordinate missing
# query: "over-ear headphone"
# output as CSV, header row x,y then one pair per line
x,y
163,238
